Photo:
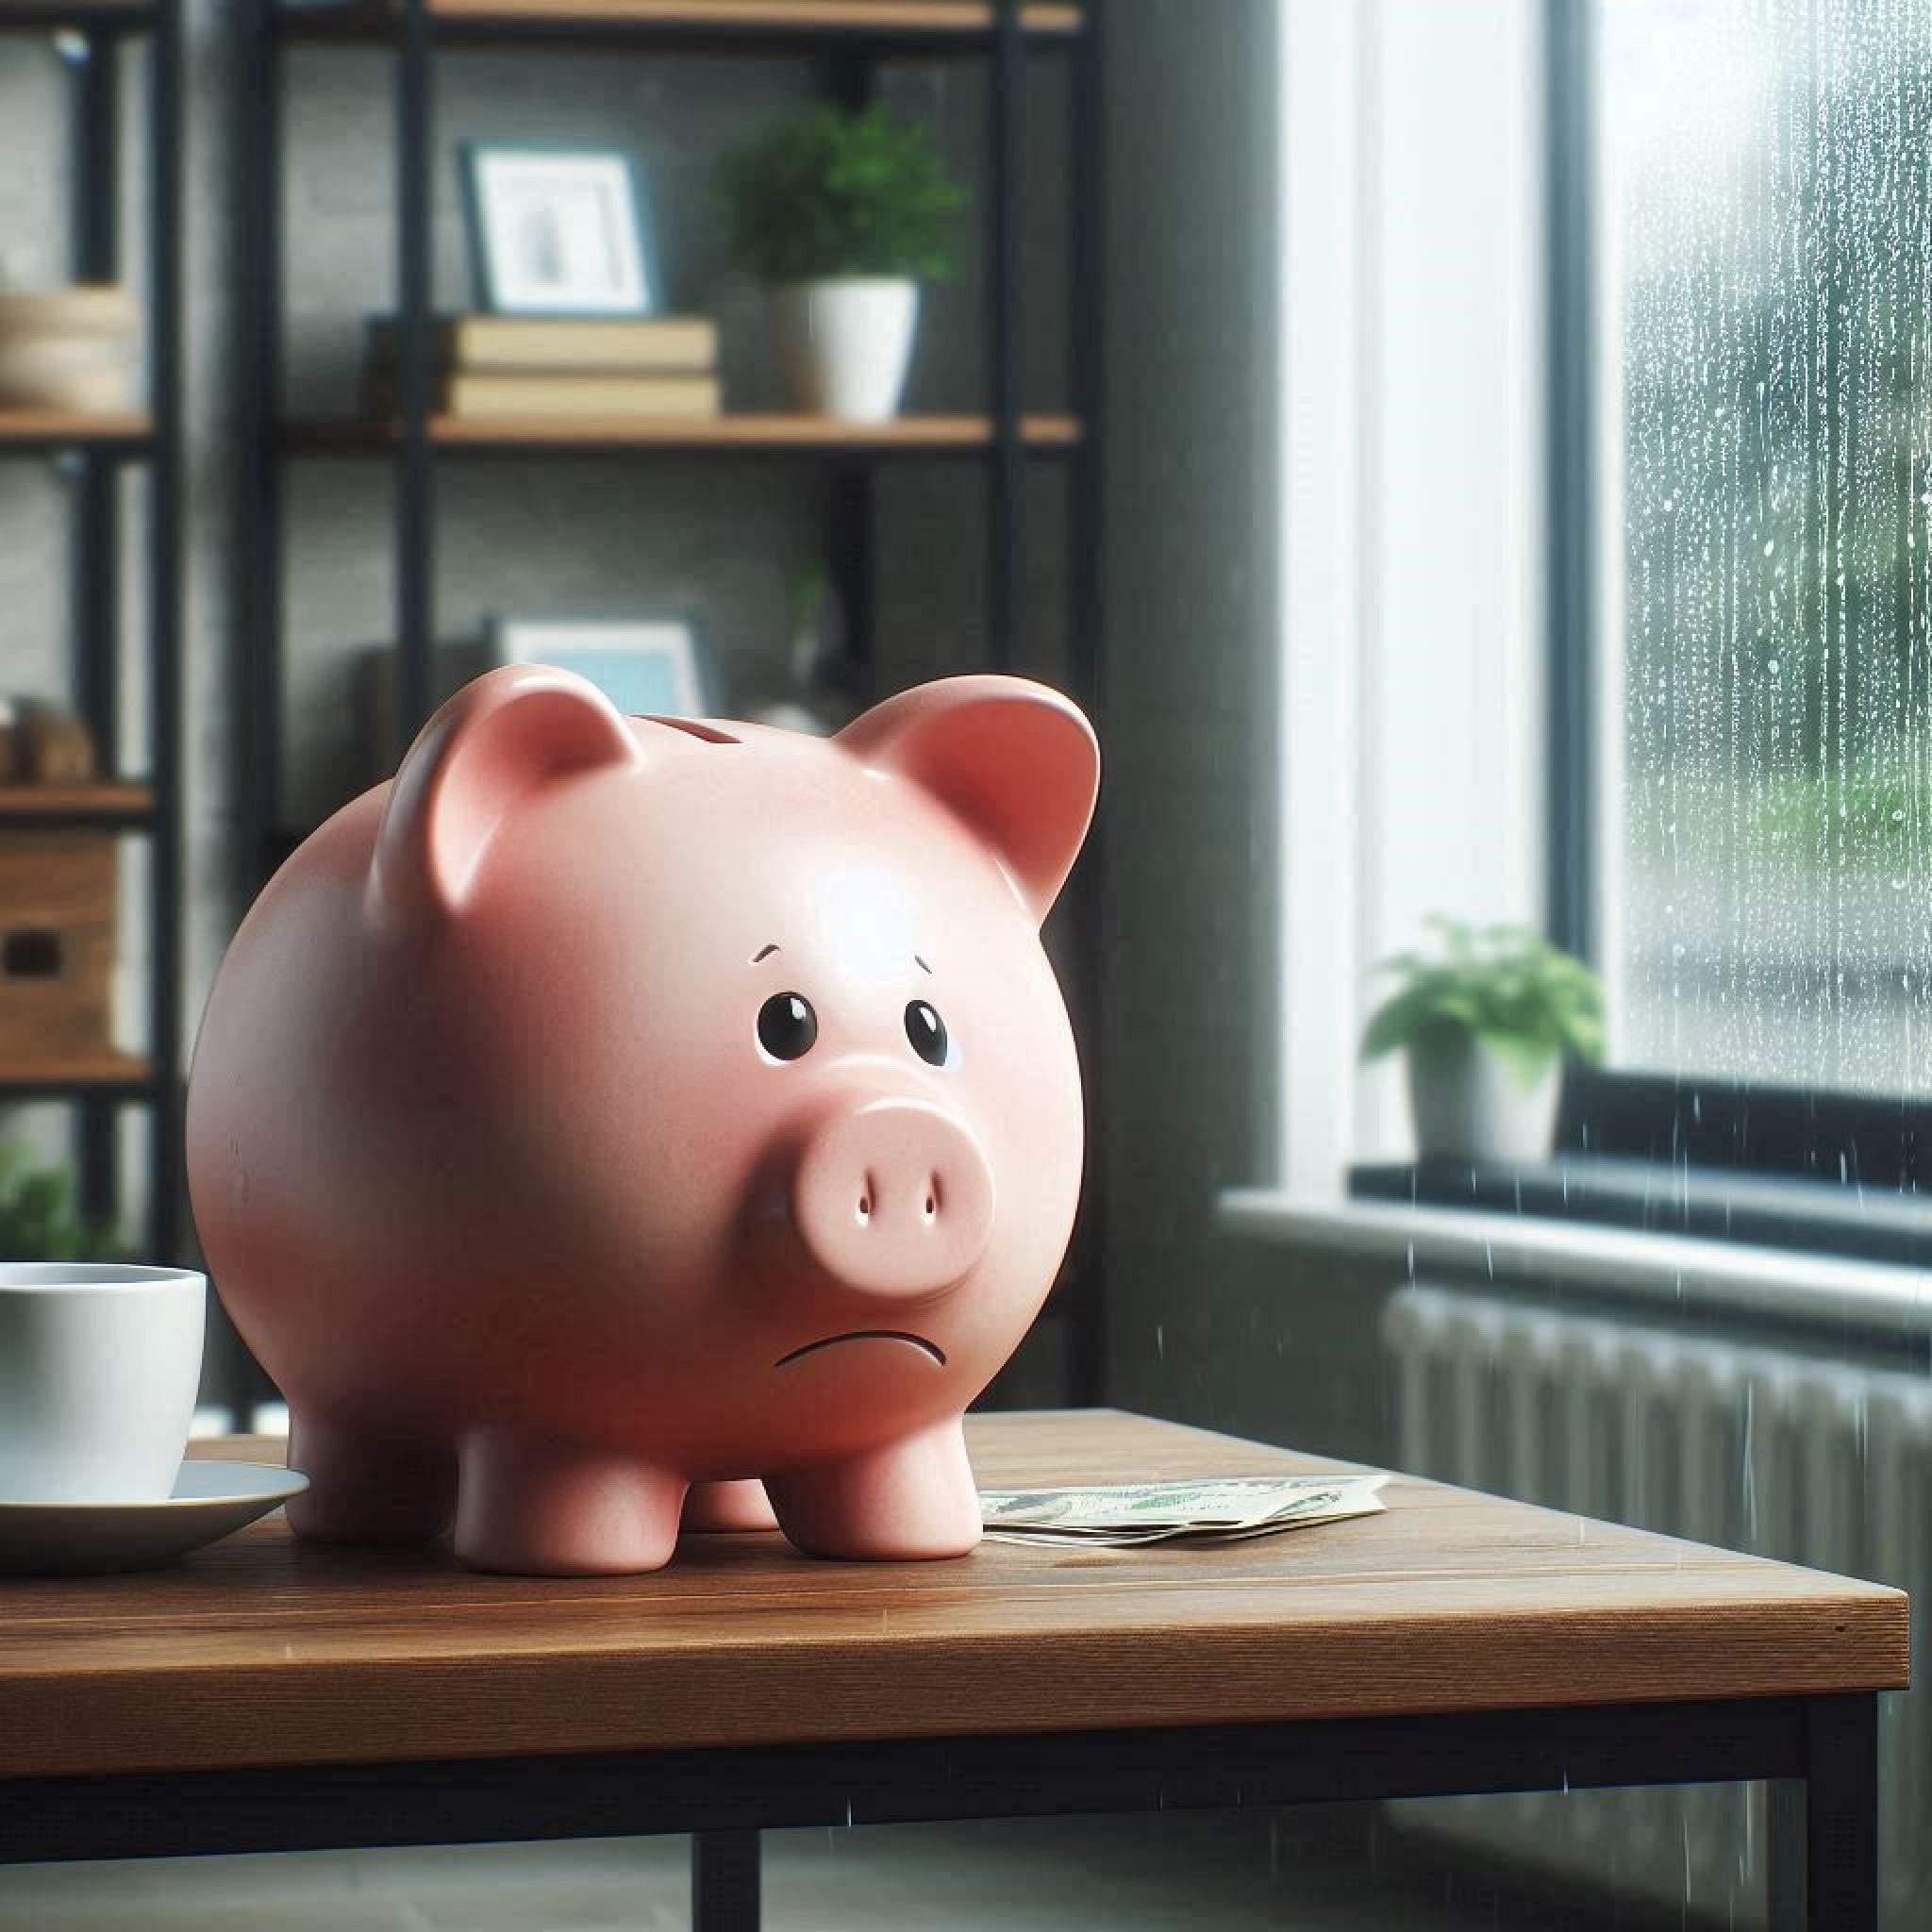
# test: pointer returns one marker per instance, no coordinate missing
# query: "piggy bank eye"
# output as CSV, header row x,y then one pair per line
x,y
928,1033
787,1026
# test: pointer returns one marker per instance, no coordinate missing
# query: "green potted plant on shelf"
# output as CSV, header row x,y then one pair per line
x,y
1487,1022
842,215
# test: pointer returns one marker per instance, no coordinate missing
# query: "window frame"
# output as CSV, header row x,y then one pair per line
x,y
1681,1118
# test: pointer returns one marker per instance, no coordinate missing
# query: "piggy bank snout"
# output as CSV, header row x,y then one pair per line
x,y
894,1198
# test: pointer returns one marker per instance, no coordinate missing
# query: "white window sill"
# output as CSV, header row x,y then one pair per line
x,y
1651,1268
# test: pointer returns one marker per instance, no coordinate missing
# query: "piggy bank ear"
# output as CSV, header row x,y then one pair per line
x,y
1013,759
499,741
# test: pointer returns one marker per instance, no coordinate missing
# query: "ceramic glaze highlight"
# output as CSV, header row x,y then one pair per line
x,y
522,1172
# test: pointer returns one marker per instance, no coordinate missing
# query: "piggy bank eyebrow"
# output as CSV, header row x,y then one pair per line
x,y
763,953
921,963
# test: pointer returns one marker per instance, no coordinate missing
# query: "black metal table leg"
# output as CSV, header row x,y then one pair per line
x,y
725,1881
1784,1871
1842,1814
1824,1865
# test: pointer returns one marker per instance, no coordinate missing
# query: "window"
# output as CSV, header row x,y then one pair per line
x,y
1758,290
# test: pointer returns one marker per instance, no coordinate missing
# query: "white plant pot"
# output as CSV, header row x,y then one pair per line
x,y
1469,1105
845,344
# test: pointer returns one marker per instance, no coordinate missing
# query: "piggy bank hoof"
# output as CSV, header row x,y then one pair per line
x,y
539,1508
915,1500
366,1488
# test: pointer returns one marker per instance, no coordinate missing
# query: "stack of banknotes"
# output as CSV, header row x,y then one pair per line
x,y
1208,1510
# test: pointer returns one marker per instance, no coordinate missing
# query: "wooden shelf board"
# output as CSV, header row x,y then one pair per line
x,y
914,19
100,1069
749,432
55,429
108,801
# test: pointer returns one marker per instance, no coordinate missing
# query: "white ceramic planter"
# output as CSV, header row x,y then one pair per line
x,y
845,344
1469,1105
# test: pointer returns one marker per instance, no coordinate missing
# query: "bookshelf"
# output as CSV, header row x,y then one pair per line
x,y
842,45
79,16
92,453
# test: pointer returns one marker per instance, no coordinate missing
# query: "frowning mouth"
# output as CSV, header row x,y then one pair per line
x,y
932,1348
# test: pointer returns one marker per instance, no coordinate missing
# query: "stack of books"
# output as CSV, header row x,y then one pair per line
x,y
74,349
493,367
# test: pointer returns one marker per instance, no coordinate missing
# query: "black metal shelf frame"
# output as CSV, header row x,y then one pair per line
x,y
107,19
71,440
141,1089
129,818
91,41
847,61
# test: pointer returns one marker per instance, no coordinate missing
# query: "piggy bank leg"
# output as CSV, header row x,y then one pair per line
x,y
728,1506
914,1498
364,1488
535,1506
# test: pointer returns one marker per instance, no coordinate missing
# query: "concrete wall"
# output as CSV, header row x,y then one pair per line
x,y
1192,599
1325,637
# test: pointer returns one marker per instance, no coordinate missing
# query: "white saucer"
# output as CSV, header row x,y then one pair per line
x,y
211,1500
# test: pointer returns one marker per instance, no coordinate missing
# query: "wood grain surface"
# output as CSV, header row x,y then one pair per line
x,y
261,1650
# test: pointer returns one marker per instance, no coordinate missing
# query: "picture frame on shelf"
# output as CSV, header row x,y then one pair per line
x,y
559,230
646,666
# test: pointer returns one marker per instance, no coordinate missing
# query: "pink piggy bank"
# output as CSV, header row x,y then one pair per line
x,y
610,1116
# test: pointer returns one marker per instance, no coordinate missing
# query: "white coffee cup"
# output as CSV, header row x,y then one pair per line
x,y
99,1365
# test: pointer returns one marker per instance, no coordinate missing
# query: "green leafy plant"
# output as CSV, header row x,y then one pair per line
x,y
824,192
1507,988
38,1220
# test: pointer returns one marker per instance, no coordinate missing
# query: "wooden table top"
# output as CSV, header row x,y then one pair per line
x,y
262,1650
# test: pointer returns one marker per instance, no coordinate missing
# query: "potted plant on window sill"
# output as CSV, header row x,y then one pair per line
x,y
842,216
1487,1025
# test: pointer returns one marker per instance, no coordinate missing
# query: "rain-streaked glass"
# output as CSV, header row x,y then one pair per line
x,y
1767,320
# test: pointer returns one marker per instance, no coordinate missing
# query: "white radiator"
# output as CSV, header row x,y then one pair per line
x,y
1755,1447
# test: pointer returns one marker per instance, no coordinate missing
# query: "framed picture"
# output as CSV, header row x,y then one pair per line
x,y
560,231
647,666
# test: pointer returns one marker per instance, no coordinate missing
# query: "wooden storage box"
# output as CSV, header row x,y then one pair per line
x,y
58,905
